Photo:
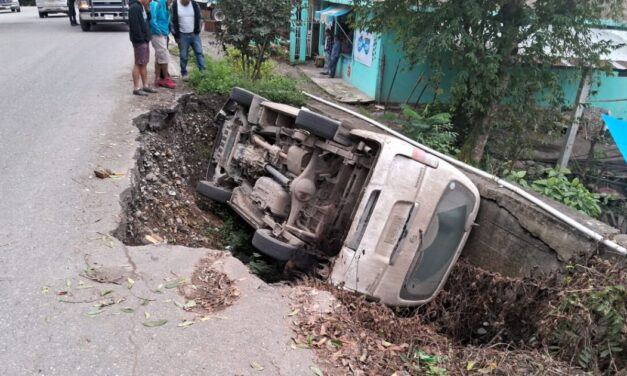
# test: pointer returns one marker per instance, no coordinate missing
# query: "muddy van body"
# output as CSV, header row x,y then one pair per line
x,y
391,218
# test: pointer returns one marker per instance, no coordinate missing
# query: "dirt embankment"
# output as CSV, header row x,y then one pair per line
x,y
161,205
481,323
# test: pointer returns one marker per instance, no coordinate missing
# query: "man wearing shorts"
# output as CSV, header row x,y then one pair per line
x,y
140,36
160,29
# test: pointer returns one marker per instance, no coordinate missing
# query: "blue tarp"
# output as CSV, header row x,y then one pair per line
x,y
618,130
327,15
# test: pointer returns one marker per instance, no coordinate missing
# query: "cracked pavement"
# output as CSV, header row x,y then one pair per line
x,y
66,109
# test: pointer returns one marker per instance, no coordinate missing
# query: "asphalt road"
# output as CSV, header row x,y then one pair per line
x,y
65,108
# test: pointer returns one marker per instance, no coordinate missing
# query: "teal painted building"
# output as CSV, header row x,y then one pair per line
x,y
385,75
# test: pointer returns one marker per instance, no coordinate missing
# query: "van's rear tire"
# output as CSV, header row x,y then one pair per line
x,y
41,15
317,124
273,247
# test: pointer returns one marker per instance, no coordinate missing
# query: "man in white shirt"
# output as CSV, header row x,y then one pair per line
x,y
186,30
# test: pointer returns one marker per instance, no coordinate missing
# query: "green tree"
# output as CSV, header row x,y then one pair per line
x,y
501,50
251,26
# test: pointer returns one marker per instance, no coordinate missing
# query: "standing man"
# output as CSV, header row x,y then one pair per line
x,y
160,29
186,30
71,12
336,51
328,47
140,36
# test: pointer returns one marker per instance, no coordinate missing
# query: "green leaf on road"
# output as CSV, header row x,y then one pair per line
x,y
316,371
131,282
189,305
94,313
154,323
127,310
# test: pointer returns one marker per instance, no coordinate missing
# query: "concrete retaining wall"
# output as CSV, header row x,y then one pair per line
x,y
518,239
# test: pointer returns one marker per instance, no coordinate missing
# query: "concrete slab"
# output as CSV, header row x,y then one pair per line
x,y
336,87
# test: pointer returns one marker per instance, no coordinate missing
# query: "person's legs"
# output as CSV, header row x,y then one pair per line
x,y
197,46
136,77
184,50
333,66
157,73
327,62
143,71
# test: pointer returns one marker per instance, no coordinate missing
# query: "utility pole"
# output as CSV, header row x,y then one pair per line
x,y
580,101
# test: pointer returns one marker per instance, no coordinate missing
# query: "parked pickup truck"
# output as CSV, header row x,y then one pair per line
x,y
91,12
13,5
392,218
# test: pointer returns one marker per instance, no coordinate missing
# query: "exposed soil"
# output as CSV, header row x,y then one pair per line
x,y
480,323
175,145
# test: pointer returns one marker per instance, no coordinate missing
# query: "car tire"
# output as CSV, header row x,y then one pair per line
x,y
273,247
317,124
46,14
85,26
19,10
213,192
12,10
242,96
41,15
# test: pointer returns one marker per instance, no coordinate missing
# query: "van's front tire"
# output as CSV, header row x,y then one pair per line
x,y
213,192
85,26
41,15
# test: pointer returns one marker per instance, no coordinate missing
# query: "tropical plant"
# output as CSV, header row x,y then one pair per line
x,y
502,51
556,185
434,131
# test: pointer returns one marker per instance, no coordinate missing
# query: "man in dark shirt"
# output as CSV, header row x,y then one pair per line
x,y
140,37
71,12
328,46
336,51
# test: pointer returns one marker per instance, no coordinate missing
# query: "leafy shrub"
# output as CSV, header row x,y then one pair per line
x,y
556,185
252,26
434,131
590,321
234,59
220,76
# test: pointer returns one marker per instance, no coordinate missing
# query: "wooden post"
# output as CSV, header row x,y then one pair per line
x,y
571,135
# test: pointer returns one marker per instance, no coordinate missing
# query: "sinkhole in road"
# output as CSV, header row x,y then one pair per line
x,y
476,308
162,204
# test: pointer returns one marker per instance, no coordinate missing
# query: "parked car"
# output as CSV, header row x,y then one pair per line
x,y
212,6
91,12
13,5
46,7
392,217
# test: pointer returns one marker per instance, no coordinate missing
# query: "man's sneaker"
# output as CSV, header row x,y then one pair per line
x,y
140,92
184,77
167,83
148,89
